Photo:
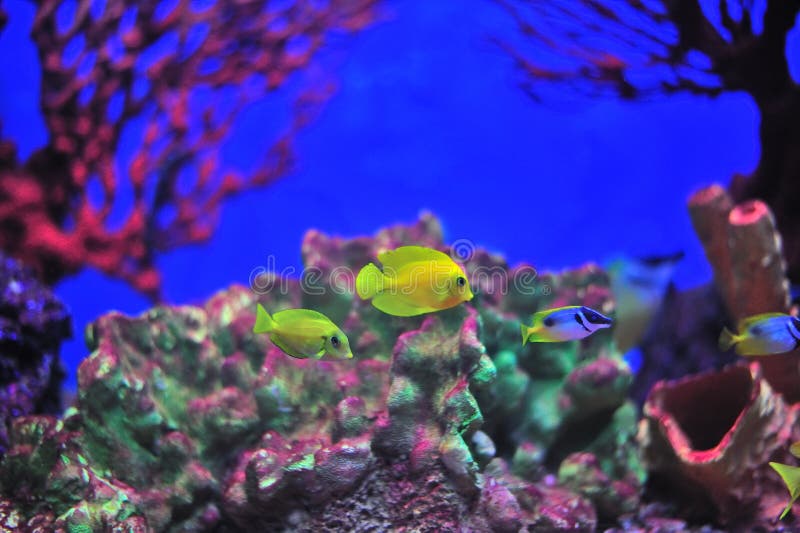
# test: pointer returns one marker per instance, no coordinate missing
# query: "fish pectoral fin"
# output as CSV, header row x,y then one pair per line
x,y
391,304
321,350
746,322
277,341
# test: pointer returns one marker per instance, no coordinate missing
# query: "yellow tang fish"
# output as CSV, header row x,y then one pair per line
x,y
563,324
414,280
791,477
303,333
764,334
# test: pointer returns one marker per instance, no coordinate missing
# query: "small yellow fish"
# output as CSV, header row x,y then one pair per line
x,y
794,449
563,324
414,280
639,286
303,333
764,334
791,477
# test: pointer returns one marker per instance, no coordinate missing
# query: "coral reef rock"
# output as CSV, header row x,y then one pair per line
x,y
33,323
186,420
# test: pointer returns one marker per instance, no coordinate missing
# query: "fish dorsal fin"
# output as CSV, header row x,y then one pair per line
x,y
289,318
746,322
539,316
410,254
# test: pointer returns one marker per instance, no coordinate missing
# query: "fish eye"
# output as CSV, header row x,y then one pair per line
x,y
461,281
335,342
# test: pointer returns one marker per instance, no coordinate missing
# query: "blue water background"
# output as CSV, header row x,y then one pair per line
x,y
428,116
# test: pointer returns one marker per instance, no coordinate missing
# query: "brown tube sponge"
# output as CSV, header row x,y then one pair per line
x,y
744,249
712,435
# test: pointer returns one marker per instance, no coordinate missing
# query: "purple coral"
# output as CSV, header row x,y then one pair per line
x,y
33,323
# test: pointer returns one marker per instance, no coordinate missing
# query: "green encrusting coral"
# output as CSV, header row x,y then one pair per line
x,y
186,421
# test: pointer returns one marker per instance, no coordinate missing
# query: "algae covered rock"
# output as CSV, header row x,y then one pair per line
x,y
187,421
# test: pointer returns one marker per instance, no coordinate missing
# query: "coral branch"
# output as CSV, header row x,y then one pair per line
x,y
744,249
633,49
757,266
653,49
184,76
708,210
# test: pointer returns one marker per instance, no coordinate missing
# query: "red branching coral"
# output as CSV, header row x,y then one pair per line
x,y
185,72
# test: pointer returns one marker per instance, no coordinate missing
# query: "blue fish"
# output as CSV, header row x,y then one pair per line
x,y
764,334
563,324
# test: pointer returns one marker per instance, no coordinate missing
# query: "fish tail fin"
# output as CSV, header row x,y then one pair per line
x,y
369,282
524,329
791,477
727,339
264,322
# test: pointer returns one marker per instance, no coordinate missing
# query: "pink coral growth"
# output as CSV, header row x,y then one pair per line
x,y
157,64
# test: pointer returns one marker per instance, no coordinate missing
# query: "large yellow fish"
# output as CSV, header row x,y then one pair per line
x,y
414,280
764,334
303,333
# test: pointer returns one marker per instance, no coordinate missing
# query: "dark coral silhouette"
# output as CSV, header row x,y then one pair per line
x,y
634,49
